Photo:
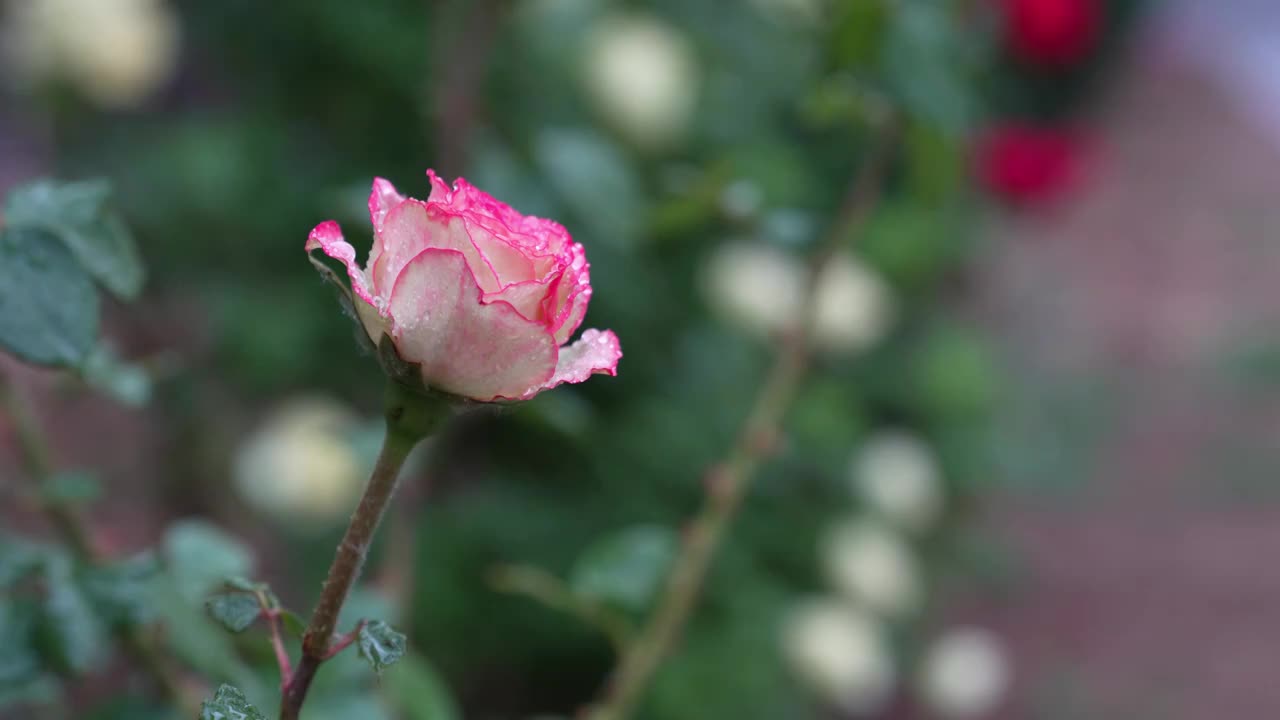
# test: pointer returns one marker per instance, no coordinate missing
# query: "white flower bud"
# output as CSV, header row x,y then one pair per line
x,y
840,653
853,307
965,674
642,75
898,476
754,287
869,563
117,52
301,463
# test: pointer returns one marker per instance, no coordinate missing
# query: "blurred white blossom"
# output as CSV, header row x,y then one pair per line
x,y
840,653
965,674
643,76
869,563
302,462
853,306
754,287
116,52
897,474
760,289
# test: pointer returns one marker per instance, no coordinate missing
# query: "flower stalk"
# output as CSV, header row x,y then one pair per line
x,y
410,416
728,480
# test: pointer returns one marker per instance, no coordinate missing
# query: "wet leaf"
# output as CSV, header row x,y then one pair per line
x,y
380,644
234,611
48,306
228,703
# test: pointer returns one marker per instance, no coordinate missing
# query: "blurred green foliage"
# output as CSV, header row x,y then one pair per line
x,y
281,116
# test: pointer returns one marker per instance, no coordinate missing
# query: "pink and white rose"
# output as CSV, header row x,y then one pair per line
x,y
481,298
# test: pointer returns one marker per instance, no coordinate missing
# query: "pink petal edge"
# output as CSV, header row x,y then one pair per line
x,y
595,353
327,236
487,211
382,199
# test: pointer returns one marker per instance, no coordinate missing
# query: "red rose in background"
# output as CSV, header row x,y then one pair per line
x,y
1052,32
1024,163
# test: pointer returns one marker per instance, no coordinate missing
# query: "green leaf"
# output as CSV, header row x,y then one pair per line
x,y
912,244
42,690
18,556
228,703
627,568
380,644
48,307
78,213
72,487
954,375
200,557
244,584
418,690
19,662
239,582
124,382
124,591
235,611
71,635
924,62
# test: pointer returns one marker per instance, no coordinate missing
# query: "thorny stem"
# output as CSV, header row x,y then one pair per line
x,y
727,481
38,462
410,417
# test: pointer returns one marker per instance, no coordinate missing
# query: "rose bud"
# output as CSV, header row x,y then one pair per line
x,y
1028,164
475,299
1052,33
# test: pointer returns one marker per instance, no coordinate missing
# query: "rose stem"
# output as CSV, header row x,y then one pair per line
x,y
727,481
38,462
410,417
277,645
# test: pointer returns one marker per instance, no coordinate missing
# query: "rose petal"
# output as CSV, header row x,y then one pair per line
x,y
528,298
440,190
533,236
465,347
566,307
596,353
572,315
413,226
327,236
508,262
382,199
